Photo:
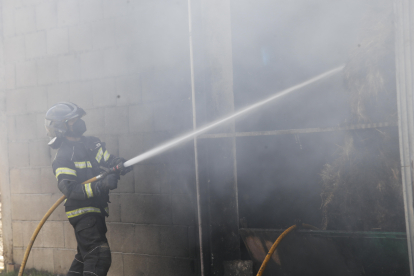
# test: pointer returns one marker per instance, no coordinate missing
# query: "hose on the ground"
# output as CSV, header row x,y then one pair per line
x,y
278,240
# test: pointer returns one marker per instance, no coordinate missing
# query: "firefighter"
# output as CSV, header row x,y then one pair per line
x,y
78,159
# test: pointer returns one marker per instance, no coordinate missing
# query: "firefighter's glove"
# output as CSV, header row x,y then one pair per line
x,y
110,182
117,161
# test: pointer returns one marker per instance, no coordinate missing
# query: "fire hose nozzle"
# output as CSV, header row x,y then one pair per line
x,y
119,167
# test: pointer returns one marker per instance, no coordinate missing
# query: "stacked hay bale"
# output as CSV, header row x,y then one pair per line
x,y
362,188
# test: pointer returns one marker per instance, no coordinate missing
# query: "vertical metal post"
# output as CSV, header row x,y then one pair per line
x,y
220,162
404,55
200,226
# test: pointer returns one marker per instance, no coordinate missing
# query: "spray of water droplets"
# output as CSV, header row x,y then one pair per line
x,y
188,136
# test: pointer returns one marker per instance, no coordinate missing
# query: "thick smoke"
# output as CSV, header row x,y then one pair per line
x,y
277,44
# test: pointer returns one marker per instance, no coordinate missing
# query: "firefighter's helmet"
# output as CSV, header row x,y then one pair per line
x,y
58,116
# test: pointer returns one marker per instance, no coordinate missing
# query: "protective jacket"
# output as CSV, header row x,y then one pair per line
x,y
76,162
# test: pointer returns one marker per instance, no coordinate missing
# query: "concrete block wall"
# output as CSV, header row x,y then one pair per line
x,y
127,64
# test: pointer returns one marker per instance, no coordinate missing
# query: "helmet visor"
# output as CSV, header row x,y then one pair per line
x,y
55,129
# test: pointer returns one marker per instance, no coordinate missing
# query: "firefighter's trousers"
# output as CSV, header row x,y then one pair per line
x,y
94,254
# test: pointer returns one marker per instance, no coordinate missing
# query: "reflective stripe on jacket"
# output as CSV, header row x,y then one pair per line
x,y
76,162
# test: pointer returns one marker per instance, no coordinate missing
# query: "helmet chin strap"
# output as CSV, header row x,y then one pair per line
x,y
55,142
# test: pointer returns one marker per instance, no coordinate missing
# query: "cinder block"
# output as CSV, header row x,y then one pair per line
x,y
173,115
103,34
173,241
22,127
121,237
56,93
10,4
9,25
117,266
3,124
25,20
149,178
151,209
25,211
114,208
14,48
20,3
117,61
35,206
130,146
47,70
18,253
62,259
151,89
26,73
70,240
104,92
17,234
57,41
91,10
140,118
80,38
68,12
126,184
168,266
116,120
48,181
25,181
136,265
115,9
127,30
28,230
39,153
40,127
92,65
15,102
147,240
69,66
170,48
171,83
182,175
95,121
10,76
81,93
136,54
35,44
43,259
128,90
53,234
148,54
183,209
161,240
36,99
46,15
18,154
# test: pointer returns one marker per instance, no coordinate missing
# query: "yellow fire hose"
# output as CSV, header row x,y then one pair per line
x,y
61,199
45,217
278,240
